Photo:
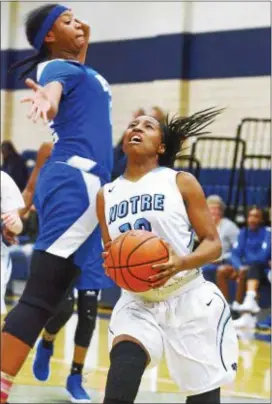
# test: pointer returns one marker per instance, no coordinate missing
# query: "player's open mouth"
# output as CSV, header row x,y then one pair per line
x,y
135,139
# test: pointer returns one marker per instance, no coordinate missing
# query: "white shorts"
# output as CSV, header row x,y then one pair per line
x,y
193,329
6,266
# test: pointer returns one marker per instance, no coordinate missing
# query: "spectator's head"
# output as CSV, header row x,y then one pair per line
x,y
8,150
255,218
217,207
138,112
158,114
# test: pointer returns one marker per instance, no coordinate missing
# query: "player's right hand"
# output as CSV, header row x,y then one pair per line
x,y
41,104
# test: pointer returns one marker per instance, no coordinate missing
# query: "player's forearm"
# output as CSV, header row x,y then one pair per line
x,y
53,92
52,113
28,199
207,251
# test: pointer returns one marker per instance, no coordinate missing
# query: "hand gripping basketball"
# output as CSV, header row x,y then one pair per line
x,y
130,257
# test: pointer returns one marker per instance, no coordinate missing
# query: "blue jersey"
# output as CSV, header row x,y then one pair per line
x,y
82,126
80,163
251,247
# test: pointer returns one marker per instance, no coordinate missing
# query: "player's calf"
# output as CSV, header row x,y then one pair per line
x,y
209,397
50,278
128,362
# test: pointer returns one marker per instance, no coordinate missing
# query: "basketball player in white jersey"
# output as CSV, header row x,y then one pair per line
x,y
188,318
11,202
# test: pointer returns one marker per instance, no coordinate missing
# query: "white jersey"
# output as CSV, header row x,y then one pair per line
x,y
11,200
153,203
11,197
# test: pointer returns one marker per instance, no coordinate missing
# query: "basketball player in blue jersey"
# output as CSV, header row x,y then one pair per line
x,y
182,315
76,100
91,280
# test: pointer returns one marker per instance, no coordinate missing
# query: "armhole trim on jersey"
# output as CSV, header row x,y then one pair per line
x,y
181,197
41,67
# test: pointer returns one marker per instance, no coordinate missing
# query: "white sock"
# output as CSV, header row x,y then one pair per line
x,y
251,293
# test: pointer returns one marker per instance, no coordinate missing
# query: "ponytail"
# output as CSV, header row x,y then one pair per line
x,y
35,59
177,129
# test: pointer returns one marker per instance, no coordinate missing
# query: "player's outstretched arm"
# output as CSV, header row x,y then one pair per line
x,y
43,153
44,100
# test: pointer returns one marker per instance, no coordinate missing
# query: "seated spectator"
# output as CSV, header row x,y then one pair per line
x,y
257,274
14,164
227,230
246,252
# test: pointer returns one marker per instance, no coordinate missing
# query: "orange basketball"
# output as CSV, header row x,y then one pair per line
x,y
131,257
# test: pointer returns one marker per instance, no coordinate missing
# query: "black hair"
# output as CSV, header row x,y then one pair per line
x,y
256,207
9,146
177,129
33,23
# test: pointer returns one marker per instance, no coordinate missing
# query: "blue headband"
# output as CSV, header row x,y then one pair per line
x,y
47,25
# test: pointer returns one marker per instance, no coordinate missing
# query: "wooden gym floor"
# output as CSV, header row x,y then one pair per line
x,y
251,386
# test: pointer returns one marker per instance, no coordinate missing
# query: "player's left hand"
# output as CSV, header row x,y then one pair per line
x,y
105,254
40,103
85,28
167,270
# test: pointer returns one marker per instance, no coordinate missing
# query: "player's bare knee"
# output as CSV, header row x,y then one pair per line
x,y
242,275
224,271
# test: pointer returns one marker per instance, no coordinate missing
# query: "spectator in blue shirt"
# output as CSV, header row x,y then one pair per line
x,y
257,274
245,252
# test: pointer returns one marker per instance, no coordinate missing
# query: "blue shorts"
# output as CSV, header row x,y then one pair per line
x,y
89,258
65,200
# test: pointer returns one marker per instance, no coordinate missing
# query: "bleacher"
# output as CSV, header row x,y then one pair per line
x,y
235,168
